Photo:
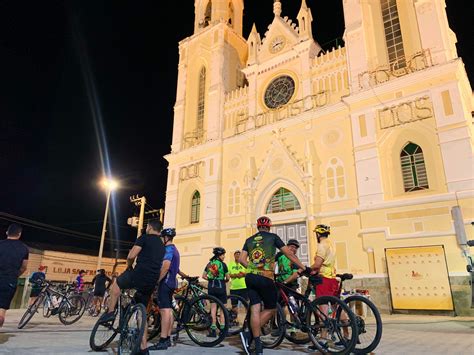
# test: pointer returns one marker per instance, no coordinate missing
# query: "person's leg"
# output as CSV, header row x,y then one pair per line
x,y
114,295
2,316
166,322
32,300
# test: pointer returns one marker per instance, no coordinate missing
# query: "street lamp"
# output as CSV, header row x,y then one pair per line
x,y
108,185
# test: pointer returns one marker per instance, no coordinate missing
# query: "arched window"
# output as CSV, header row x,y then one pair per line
x,y
335,180
393,34
234,199
201,99
208,14
195,207
413,168
283,200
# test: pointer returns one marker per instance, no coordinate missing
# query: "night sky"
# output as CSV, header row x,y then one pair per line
x,y
57,55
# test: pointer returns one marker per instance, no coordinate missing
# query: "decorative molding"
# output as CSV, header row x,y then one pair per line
x,y
405,112
190,171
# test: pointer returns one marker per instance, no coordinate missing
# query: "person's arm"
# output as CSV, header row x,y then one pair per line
x,y
294,259
318,262
182,274
24,266
294,276
226,273
204,274
243,258
165,266
132,254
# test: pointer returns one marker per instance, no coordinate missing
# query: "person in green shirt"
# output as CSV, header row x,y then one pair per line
x,y
237,274
287,270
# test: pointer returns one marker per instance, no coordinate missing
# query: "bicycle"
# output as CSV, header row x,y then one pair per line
x,y
91,305
129,321
327,322
67,305
192,313
369,321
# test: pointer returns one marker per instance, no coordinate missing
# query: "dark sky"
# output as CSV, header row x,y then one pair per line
x,y
55,55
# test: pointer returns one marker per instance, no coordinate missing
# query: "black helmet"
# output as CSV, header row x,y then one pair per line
x,y
218,251
293,242
169,232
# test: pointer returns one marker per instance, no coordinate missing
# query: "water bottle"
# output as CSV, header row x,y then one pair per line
x,y
293,304
174,304
329,309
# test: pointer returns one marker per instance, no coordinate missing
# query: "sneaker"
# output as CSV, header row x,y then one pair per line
x,y
212,333
143,352
159,346
54,311
244,339
322,343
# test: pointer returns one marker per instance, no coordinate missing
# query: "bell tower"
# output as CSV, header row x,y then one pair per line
x,y
210,12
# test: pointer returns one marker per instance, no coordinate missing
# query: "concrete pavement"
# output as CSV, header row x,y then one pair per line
x,y
402,334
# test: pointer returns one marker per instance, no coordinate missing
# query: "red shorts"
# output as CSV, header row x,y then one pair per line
x,y
329,287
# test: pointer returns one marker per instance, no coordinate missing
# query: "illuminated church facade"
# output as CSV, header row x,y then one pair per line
x,y
374,139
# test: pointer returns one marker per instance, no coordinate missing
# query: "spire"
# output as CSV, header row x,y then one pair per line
x,y
277,7
253,44
304,21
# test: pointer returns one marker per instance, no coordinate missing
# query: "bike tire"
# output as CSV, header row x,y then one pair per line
x,y
30,312
47,307
300,336
234,329
130,338
97,343
361,346
332,325
273,333
75,306
196,311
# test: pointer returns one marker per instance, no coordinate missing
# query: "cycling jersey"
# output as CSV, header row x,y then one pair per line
x,y
216,270
261,249
285,269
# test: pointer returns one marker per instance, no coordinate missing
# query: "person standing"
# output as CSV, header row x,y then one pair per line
x,y
101,282
80,282
217,274
36,279
288,272
258,255
148,252
13,262
237,287
167,284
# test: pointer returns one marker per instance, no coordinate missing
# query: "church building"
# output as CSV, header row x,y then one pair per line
x,y
374,139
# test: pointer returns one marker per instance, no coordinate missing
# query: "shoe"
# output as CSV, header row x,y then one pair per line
x,y
322,343
258,348
54,311
144,352
159,346
244,339
212,333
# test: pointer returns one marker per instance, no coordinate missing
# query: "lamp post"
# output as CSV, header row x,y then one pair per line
x,y
109,185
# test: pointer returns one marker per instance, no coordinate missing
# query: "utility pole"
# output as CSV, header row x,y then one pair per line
x,y
139,201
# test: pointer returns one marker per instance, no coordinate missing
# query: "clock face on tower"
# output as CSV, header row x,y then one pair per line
x,y
279,92
276,44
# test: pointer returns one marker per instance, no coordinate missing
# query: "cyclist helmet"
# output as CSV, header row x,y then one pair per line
x,y
293,242
218,251
322,229
264,222
168,232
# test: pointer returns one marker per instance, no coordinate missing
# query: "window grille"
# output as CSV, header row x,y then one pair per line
x,y
283,200
393,34
413,168
195,207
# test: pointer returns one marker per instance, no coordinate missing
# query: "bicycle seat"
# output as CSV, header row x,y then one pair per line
x,y
344,277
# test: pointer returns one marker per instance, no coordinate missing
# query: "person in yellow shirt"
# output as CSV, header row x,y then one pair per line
x,y
237,274
324,262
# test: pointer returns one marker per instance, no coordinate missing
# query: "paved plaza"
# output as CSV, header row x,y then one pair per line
x,y
402,334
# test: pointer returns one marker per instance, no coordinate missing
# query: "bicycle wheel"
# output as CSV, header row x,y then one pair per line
x,y
237,317
47,307
132,330
369,323
153,320
71,310
332,326
197,320
103,333
30,312
273,332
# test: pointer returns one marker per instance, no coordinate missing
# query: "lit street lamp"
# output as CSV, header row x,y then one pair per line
x,y
109,185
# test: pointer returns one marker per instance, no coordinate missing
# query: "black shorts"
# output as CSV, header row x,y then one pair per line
x,y
217,289
131,280
35,292
7,291
99,292
165,296
242,293
261,289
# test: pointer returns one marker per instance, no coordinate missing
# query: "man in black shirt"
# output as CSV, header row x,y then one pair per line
x,y
13,263
148,252
99,281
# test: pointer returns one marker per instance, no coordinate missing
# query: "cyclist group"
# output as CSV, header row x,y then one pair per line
x,y
155,260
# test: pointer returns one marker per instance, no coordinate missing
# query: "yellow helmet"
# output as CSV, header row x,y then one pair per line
x,y
322,229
